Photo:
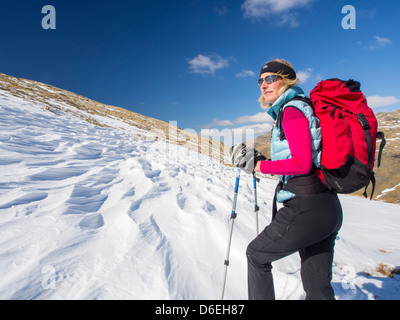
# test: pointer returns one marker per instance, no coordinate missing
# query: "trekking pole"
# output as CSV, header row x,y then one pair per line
x,y
233,217
256,207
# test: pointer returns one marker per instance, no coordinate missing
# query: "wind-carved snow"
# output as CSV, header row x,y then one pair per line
x,y
92,213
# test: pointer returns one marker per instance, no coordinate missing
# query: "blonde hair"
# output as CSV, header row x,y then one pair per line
x,y
287,83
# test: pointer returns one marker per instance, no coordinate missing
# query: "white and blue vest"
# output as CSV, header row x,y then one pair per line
x,y
280,148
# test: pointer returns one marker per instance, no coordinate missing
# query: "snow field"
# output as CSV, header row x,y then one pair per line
x,y
91,213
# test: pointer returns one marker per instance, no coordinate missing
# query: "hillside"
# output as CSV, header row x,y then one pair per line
x,y
61,102
388,175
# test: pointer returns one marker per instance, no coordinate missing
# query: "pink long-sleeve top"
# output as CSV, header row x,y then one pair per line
x,y
296,127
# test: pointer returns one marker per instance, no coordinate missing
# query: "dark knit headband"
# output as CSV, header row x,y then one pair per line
x,y
279,68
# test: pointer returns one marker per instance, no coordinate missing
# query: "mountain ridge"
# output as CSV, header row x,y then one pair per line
x,y
60,101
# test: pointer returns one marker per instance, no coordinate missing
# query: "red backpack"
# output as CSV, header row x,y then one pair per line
x,y
349,133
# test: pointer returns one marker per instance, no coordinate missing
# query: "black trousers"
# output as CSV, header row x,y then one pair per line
x,y
306,224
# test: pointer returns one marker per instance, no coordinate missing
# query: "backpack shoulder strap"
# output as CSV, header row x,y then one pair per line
x,y
279,119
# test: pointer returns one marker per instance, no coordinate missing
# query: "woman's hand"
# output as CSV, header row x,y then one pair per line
x,y
246,158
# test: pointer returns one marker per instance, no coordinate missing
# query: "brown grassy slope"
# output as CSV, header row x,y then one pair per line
x,y
62,101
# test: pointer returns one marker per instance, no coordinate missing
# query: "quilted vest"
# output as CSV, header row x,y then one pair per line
x,y
280,148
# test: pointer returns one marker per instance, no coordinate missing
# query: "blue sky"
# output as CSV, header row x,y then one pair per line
x,y
196,62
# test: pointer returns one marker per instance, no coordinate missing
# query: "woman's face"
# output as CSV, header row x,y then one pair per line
x,y
271,91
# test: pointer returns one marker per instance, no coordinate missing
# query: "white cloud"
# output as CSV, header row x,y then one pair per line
x,y
257,129
245,73
218,123
223,123
262,8
378,101
207,64
304,75
259,117
379,42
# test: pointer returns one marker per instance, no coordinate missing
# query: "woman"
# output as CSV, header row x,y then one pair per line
x,y
311,215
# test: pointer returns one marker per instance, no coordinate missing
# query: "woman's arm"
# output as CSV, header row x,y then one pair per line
x,y
296,127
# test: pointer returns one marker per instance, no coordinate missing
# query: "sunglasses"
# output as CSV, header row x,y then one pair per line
x,y
268,79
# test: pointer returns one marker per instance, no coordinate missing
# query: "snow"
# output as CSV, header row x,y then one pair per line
x,y
88,212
